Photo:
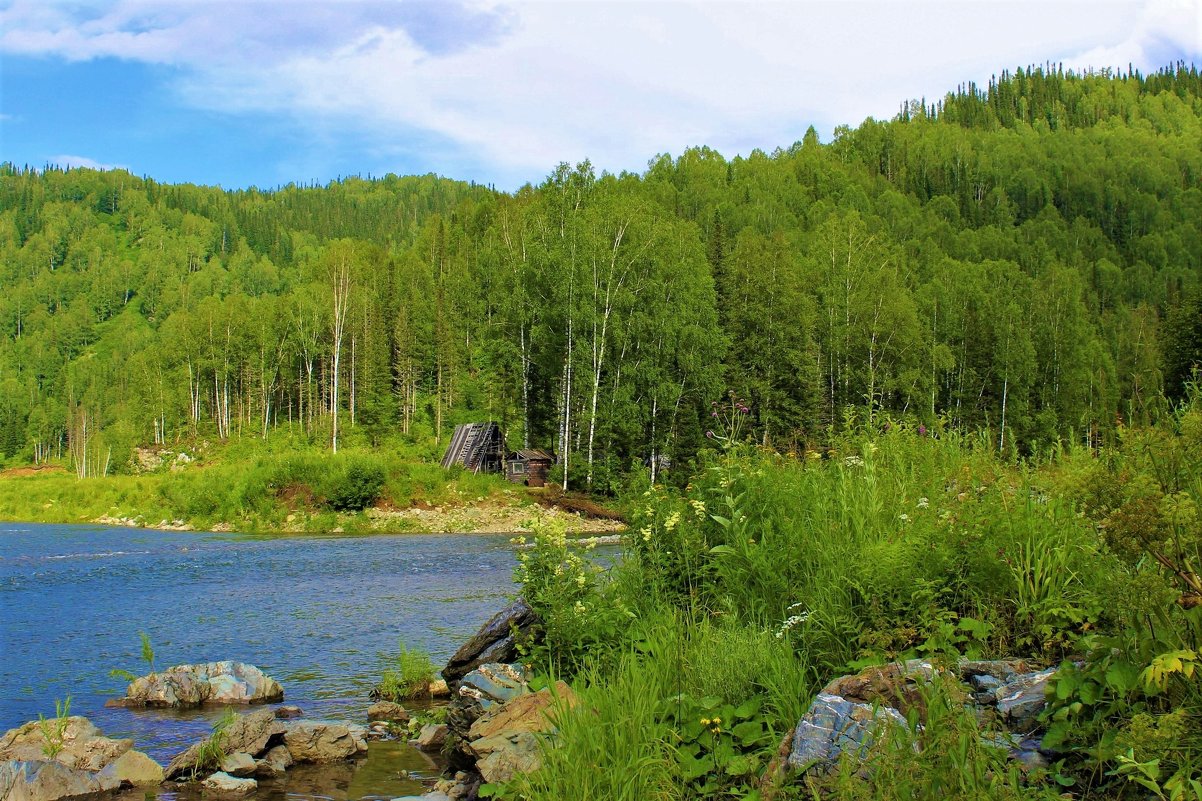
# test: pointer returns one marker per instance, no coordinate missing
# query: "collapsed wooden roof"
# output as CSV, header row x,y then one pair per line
x,y
475,446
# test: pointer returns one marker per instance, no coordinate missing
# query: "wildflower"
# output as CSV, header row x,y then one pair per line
x,y
580,609
646,532
581,579
792,622
903,517
923,503
698,507
672,521
922,430
705,721
709,434
853,461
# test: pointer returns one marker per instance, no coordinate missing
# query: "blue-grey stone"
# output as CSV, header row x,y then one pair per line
x,y
1021,699
496,683
834,726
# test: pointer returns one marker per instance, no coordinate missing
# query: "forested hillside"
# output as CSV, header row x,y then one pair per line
x,y
1024,257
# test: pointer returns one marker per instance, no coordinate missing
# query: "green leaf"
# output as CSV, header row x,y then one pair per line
x,y
722,550
748,732
691,768
737,765
1122,677
748,708
720,520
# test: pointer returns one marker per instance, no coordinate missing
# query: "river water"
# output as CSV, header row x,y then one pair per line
x,y
317,613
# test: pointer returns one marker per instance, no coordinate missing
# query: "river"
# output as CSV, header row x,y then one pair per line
x,y
317,613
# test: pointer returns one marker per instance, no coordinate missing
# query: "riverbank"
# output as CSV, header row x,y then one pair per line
x,y
479,517
294,489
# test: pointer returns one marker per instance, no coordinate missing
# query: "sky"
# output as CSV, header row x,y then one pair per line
x,y
263,93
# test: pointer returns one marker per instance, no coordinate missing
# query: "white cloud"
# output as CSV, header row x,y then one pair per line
x,y
72,162
520,86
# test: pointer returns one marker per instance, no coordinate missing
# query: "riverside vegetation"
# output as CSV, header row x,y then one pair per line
x,y
965,339
743,593
1021,257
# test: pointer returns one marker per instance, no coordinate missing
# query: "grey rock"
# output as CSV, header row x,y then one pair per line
x,y
495,683
324,741
834,726
250,733
494,642
133,768
288,712
240,764
985,683
39,780
433,737
1021,699
185,686
274,763
226,785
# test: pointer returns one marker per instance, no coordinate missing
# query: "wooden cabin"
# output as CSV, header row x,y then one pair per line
x,y
529,466
478,447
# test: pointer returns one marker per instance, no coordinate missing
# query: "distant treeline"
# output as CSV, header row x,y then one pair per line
x,y
1024,258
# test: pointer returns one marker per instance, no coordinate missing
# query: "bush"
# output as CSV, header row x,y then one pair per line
x,y
356,488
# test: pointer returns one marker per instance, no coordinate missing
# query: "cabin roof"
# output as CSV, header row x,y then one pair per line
x,y
533,455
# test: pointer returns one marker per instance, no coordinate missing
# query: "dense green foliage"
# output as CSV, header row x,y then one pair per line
x,y
744,593
1019,259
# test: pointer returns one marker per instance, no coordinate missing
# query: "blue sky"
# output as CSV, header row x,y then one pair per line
x,y
259,92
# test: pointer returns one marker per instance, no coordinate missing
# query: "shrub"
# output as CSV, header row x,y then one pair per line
x,y
356,488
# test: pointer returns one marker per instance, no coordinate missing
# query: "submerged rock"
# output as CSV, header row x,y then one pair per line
x,y
226,785
388,711
185,686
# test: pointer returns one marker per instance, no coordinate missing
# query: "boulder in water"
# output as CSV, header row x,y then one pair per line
x,y
324,741
41,780
494,642
249,734
185,686
134,768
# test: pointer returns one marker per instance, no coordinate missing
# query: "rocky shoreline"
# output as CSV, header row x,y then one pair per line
x,y
481,517
493,723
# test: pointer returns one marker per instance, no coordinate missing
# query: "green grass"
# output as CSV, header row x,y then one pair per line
x,y
254,486
768,576
408,675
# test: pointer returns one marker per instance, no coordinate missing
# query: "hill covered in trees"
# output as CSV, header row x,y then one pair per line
x,y
1023,258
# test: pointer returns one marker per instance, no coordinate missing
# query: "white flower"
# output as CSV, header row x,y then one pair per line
x,y
923,503
791,623
903,517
